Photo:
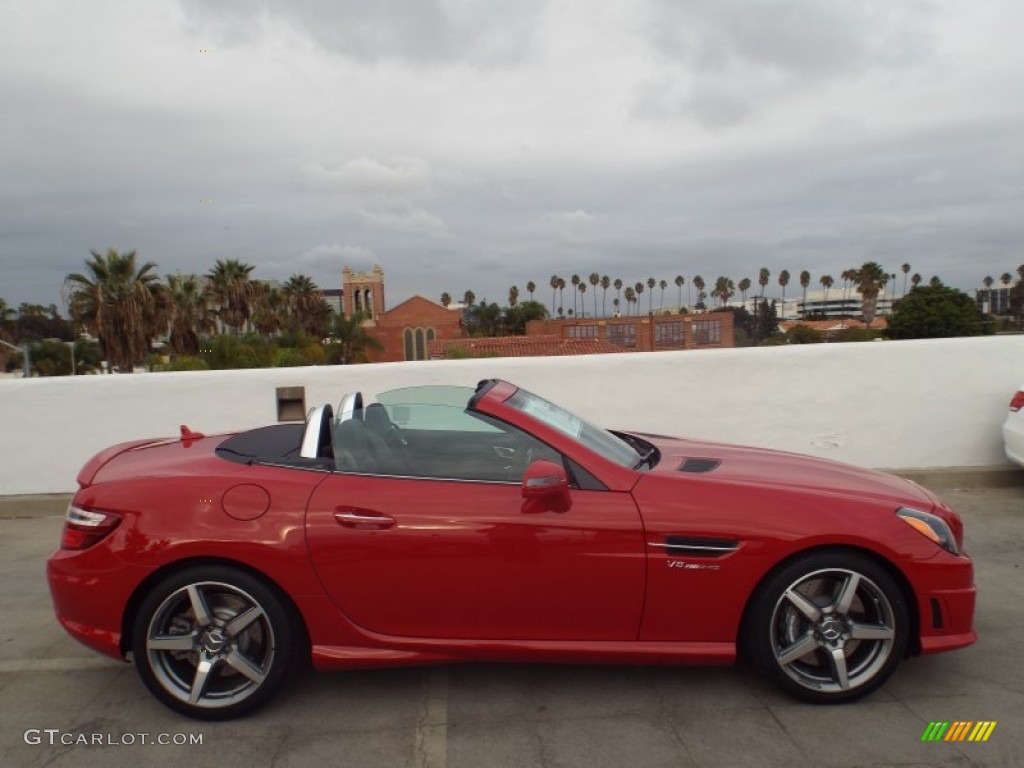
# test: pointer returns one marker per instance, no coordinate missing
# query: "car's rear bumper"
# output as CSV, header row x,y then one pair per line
x,y
1013,437
89,594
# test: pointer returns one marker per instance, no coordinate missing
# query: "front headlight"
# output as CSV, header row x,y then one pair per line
x,y
932,526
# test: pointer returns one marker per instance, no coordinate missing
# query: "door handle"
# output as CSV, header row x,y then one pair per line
x,y
364,519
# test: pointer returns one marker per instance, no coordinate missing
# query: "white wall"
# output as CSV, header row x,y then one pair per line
x,y
911,404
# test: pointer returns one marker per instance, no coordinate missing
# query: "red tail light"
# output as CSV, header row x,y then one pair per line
x,y
1018,401
85,527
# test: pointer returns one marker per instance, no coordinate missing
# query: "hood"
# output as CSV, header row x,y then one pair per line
x,y
718,462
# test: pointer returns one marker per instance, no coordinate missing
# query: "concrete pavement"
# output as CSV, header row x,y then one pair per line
x,y
490,715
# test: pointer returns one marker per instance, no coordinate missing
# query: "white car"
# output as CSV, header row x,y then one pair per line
x,y
1013,429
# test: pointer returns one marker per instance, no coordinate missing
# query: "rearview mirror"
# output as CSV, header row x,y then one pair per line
x,y
545,487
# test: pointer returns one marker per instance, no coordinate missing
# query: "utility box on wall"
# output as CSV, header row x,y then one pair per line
x,y
291,403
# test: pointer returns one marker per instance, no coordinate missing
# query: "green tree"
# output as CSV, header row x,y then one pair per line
x,y
827,281
651,282
350,342
931,312
575,280
606,283
446,299
804,334
744,286
679,284
698,283
762,279
595,280
905,268
618,287
513,295
805,280
583,306
530,288
116,300
469,298
518,316
724,289
915,279
554,287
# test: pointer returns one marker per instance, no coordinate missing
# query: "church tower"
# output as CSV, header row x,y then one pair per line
x,y
362,292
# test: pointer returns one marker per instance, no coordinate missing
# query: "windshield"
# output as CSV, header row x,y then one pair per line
x,y
598,440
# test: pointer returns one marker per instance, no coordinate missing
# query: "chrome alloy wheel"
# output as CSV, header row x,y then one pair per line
x,y
210,645
832,630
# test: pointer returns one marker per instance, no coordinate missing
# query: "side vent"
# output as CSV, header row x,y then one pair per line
x,y
699,465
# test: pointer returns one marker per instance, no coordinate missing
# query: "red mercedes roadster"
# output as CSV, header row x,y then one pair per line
x,y
441,524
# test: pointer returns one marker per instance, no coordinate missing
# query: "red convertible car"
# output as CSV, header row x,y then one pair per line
x,y
441,524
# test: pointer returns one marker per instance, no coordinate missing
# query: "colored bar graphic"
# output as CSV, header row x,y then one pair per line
x,y
959,730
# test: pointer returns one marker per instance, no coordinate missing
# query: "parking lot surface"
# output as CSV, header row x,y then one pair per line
x,y
62,705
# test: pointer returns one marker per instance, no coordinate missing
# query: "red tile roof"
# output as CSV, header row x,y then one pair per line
x,y
521,346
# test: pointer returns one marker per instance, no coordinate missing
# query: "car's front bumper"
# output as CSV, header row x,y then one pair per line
x,y
945,603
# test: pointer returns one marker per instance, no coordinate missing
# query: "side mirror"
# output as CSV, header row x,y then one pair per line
x,y
545,487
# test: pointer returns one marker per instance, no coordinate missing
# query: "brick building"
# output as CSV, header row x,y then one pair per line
x,y
645,333
405,332
519,346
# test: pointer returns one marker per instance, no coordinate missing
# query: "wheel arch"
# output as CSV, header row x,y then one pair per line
x,y
139,594
914,640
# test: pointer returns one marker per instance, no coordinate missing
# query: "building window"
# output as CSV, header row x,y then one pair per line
x,y
421,345
407,341
669,335
623,334
582,331
707,332
430,335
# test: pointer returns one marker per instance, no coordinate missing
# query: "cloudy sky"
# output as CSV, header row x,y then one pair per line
x,y
484,143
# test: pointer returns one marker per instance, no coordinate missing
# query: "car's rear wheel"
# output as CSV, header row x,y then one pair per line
x,y
212,642
828,627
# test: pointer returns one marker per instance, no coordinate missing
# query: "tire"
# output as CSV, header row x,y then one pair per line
x,y
213,642
828,627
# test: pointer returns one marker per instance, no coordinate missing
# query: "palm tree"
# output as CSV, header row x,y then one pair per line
x,y
679,284
630,298
784,281
870,279
583,307
744,286
651,282
446,299
554,287
530,288
805,280
575,280
1006,278
988,283
118,302
618,287
513,295
906,270
231,291
724,289
606,283
561,293
638,289
915,279
469,298
663,285
698,283
351,339
303,302
827,282
189,313
269,311
762,279
615,304
849,277
595,280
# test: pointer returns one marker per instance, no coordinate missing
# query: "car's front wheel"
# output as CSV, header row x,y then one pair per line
x,y
212,642
828,627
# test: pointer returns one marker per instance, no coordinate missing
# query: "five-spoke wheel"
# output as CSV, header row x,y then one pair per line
x,y
828,627
212,643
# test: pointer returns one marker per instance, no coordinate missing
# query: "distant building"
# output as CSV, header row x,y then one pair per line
x,y
994,301
520,346
645,333
840,304
405,332
333,298
832,328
